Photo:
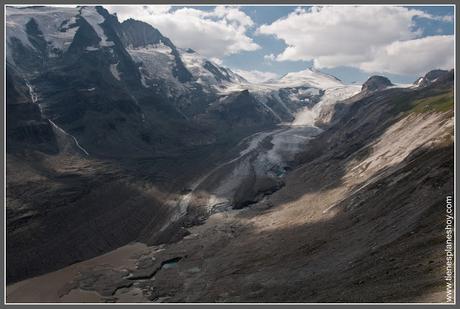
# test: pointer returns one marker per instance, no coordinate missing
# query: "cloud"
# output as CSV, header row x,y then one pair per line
x,y
256,76
445,18
156,9
414,56
214,34
353,36
269,57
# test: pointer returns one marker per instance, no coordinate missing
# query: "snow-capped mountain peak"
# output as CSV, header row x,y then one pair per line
x,y
207,71
55,25
310,77
95,19
50,31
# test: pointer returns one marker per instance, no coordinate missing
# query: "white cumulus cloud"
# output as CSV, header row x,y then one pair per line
x,y
367,37
414,56
255,76
216,33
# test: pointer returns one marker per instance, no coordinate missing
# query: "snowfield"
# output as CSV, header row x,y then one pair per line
x,y
55,24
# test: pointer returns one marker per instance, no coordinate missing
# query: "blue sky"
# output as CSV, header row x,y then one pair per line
x,y
401,42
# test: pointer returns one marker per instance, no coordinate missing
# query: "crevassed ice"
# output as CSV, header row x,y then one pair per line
x,y
308,116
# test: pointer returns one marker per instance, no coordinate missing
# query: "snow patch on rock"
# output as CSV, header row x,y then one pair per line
x,y
95,19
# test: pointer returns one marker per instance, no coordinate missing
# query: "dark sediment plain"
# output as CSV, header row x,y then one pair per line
x,y
141,172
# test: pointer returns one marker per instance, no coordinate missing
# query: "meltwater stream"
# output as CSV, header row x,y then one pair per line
x,y
61,130
34,97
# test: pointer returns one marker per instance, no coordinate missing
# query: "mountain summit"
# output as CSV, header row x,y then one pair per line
x,y
375,83
433,76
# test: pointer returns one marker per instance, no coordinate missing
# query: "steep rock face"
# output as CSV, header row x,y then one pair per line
x,y
137,34
240,110
434,76
375,83
26,128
